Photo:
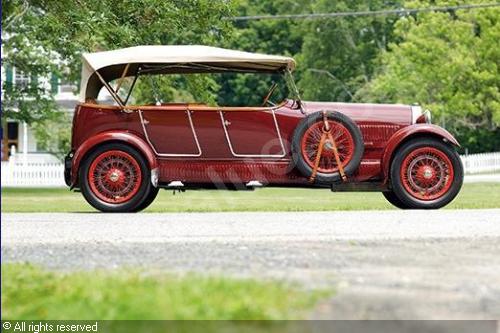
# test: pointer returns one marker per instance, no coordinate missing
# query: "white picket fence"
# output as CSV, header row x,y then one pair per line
x,y
17,174
32,174
481,163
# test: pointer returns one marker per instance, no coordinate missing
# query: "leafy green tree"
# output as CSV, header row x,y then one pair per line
x,y
38,34
175,88
45,37
448,62
30,102
280,37
54,134
338,55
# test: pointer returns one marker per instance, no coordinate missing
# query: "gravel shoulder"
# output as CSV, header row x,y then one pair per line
x,y
384,265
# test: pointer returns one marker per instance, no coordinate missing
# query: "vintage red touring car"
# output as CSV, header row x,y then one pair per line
x,y
122,154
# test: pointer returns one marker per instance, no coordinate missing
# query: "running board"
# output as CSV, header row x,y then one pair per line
x,y
179,185
251,185
359,187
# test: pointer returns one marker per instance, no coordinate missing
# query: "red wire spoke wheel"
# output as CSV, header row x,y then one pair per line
x,y
114,176
327,163
427,173
307,137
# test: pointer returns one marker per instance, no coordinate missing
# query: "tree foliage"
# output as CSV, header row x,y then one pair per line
x,y
340,53
54,135
45,36
281,37
448,62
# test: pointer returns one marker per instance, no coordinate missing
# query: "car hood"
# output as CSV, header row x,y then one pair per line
x,y
386,113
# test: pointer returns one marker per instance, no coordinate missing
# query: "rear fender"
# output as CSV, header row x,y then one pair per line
x,y
409,132
114,136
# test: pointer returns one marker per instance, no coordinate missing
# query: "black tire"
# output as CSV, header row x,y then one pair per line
x,y
148,200
136,201
394,200
409,200
299,160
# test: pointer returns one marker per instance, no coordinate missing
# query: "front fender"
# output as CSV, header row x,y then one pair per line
x,y
116,136
417,130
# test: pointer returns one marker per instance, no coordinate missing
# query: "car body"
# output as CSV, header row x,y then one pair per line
x,y
192,145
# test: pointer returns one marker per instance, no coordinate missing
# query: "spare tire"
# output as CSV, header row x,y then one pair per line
x,y
306,139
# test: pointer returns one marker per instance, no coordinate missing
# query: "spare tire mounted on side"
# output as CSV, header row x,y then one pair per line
x,y
306,141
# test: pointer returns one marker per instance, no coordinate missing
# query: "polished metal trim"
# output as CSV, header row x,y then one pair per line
x,y
254,155
143,123
254,183
175,183
155,176
428,116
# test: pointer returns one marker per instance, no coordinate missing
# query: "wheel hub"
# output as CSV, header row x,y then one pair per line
x,y
328,145
343,140
427,173
115,175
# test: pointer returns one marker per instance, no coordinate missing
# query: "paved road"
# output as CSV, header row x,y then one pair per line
x,y
384,264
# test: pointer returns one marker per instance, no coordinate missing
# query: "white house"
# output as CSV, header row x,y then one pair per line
x,y
18,139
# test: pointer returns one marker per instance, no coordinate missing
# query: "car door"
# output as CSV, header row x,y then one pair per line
x,y
170,131
252,132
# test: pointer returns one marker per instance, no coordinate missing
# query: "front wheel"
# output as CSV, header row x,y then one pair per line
x,y
394,200
115,178
148,200
426,173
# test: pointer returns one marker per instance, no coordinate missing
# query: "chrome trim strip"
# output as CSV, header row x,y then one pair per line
x,y
172,155
154,177
428,116
254,183
254,155
175,183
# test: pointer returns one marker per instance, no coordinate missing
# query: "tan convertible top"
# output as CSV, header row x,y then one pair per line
x,y
169,59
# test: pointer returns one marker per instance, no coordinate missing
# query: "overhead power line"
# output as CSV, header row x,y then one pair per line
x,y
406,11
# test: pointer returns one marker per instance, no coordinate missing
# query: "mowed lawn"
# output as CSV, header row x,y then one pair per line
x,y
480,195
32,293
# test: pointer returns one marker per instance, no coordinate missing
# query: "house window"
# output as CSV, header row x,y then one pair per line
x,y
61,85
66,86
10,137
21,80
12,131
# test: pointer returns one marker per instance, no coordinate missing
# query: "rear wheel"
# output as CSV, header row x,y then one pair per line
x,y
148,200
115,178
426,174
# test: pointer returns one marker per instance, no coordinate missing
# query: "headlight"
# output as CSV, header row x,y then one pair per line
x,y
416,113
420,117
425,118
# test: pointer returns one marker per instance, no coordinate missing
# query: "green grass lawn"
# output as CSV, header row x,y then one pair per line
x,y
267,199
32,293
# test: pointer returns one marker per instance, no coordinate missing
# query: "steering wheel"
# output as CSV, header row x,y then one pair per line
x,y
269,94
